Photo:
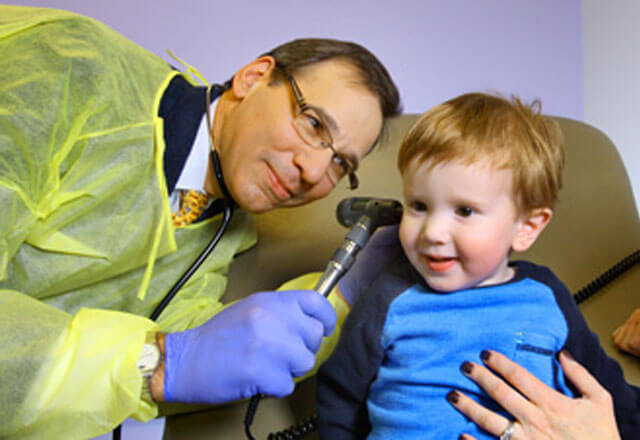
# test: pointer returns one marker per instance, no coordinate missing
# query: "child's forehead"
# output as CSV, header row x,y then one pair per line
x,y
484,165
455,180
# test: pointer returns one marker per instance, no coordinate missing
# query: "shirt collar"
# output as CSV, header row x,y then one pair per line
x,y
194,172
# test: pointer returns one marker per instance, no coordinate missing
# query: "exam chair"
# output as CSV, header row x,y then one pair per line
x,y
595,225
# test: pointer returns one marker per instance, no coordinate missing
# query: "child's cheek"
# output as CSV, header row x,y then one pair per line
x,y
482,250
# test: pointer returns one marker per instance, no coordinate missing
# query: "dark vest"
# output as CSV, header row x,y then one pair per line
x,y
182,107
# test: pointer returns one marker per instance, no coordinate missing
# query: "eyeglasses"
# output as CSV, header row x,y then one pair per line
x,y
314,132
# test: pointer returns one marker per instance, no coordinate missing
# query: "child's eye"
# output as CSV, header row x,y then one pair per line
x,y
464,211
418,206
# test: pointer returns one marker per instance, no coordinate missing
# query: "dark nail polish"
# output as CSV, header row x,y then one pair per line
x,y
466,367
453,397
567,354
485,355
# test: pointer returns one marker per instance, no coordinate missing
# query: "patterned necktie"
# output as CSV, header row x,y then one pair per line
x,y
192,204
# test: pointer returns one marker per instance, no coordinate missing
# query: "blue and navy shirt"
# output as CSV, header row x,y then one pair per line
x,y
402,346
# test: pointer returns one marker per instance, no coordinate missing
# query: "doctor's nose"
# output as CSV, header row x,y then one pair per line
x,y
313,164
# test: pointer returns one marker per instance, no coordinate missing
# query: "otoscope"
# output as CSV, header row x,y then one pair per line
x,y
364,215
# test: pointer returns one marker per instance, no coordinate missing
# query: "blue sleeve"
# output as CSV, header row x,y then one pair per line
x,y
585,347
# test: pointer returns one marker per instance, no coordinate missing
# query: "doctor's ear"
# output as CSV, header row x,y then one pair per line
x,y
531,226
252,74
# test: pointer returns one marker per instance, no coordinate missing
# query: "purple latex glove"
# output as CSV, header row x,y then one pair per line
x,y
256,345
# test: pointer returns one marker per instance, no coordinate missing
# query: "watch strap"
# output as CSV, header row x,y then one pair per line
x,y
148,362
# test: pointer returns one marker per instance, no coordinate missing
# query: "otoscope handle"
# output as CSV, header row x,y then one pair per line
x,y
370,213
345,255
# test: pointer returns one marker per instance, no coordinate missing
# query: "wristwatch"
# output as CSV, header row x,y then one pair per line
x,y
149,360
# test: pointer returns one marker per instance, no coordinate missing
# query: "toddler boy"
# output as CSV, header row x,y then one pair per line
x,y
481,175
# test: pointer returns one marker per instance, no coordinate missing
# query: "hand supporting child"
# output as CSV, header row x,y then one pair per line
x,y
540,411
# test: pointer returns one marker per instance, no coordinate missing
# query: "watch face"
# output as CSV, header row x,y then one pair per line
x,y
149,358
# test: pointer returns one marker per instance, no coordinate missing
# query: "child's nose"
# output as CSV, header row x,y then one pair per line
x,y
435,230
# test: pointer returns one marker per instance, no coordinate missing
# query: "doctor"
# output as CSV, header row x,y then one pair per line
x,y
104,170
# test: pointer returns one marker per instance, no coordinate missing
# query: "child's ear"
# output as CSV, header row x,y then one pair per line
x,y
252,74
531,225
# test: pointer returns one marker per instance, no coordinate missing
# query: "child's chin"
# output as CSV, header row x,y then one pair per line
x,y
448,284
441,286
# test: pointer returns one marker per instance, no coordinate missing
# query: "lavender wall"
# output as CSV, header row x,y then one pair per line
x,y
612,66
434,49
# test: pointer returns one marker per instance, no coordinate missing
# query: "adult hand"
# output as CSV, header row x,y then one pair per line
x,y
547,414
627,336
256,345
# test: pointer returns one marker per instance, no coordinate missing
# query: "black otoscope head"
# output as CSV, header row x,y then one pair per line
x,y
362,215
381,212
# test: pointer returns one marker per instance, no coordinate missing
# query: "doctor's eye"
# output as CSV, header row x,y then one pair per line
x,y
341,163
464,211
313,123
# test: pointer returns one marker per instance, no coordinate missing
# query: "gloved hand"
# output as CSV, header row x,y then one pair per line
x,y
256,345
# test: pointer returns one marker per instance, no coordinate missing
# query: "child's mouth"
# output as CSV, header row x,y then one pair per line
x,y
440,264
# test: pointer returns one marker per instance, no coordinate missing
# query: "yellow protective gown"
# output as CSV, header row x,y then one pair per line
x,y
85,231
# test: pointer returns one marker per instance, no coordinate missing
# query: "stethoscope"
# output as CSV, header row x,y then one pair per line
x,y
226,218
228,207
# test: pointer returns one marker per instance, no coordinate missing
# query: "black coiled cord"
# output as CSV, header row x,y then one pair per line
x,y
298,431
295,432
608,276
250,414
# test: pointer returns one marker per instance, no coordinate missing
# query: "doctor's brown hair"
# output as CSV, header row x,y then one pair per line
x,y
293,56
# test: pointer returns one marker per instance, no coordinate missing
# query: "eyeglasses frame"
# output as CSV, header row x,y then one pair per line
x,y
302,105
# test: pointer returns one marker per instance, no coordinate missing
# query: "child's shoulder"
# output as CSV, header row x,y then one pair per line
x,y
529,269
544,275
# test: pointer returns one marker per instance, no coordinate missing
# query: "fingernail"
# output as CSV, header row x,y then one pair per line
x,y
453,397
485,355
466,367
462,437
567,354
